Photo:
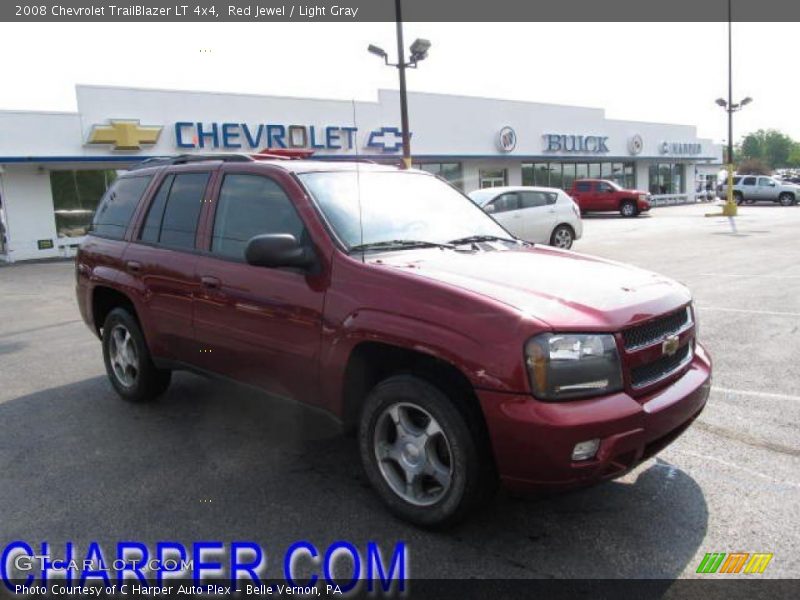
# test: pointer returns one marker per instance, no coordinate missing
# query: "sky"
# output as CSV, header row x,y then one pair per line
x,y
663,72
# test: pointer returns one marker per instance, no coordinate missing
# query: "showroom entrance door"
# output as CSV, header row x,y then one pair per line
x,y
493,178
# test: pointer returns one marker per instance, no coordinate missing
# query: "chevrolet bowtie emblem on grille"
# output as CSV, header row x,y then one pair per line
x,y
670,345
124,134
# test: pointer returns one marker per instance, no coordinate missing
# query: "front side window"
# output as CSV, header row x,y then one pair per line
x,y
117,207
765,181
251,205
396,205
583,186
749,181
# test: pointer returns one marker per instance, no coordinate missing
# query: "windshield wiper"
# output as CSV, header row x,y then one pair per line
x,y
402,244
473,239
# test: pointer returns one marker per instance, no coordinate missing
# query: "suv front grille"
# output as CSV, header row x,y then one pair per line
x,y
654,331
661,368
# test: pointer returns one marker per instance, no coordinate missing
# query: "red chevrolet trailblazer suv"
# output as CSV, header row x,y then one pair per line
x,y
600,195
462,355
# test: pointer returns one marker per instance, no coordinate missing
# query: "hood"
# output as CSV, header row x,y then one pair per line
x,y
564,289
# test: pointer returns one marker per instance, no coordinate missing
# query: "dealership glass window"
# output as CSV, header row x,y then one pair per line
x,y
556,178
451,172
561,175
76,195
666,178
493,177
569,175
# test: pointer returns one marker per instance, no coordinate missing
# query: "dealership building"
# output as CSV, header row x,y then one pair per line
x,y
55,166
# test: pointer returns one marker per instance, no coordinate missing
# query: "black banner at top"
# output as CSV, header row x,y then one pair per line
x,y
384,10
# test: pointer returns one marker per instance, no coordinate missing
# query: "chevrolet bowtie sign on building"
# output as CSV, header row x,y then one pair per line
x,y
124,134
129,134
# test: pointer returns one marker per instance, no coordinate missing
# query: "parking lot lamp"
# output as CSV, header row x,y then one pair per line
x,y
730,209
419,51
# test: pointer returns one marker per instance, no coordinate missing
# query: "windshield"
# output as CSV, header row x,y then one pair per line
x,y
396,205
480,197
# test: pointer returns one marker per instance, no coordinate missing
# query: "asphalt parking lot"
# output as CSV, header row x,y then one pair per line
x,y
217,462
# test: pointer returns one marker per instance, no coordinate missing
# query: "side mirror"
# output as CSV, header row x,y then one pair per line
x,y
278,250
489,208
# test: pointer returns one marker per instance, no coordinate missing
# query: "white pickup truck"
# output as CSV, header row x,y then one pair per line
x,y
756,188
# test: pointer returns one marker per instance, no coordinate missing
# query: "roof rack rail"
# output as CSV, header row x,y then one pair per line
x,y
182,159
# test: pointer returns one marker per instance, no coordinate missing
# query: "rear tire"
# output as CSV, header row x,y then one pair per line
x,y
737,197
628,209
128,362
786,199
423,453
562,237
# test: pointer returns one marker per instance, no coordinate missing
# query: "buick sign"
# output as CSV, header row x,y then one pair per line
x,y
507,139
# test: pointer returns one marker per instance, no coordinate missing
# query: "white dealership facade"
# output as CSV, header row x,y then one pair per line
x,y
53,166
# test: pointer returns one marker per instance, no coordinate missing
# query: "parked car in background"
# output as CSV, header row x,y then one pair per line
x,y
535,214
602,195
760,188
462,356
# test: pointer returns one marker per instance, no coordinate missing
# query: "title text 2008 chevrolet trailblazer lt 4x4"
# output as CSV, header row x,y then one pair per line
x,y
463,356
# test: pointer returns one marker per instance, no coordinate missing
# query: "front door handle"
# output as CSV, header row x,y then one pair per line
x,y
211,283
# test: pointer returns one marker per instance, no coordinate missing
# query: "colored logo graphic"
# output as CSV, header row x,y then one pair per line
x,y
736,562
507,139
124,134
636,144
386,139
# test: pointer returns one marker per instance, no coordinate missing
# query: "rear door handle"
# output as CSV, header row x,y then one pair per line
x,y
134,266
211,283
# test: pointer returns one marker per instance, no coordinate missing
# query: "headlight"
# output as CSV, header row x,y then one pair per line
x,y
643,197
693,315
562,366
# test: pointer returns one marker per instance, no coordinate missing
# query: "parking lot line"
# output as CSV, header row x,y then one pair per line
x,y
715,388
751,311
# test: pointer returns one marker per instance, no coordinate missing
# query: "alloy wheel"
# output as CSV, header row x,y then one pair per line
x,y
563,238
123,356
413,454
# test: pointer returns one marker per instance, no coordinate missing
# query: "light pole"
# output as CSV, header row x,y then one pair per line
x,y
419,51
730,209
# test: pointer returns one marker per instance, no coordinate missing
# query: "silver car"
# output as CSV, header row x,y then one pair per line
x,y
535,214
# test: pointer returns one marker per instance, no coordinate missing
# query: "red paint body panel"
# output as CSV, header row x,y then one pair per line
x,y
293,332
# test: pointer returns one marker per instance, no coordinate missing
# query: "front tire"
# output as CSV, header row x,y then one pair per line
x,y
628,209
128,362
786,199
562,237
421,453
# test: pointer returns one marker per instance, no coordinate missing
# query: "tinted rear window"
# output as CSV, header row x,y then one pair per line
x,y
117,206
583,186
179,223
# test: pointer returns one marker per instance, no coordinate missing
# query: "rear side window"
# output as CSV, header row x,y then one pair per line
x,y
251,205
172,218
583,186
536,199
749,181
117,206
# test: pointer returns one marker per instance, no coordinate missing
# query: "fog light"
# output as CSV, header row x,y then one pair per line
x,y
585,450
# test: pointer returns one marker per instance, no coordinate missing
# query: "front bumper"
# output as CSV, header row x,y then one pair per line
x,y
533,440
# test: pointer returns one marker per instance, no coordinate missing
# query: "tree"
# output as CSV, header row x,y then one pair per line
x,y
794,157
768,145
753,166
